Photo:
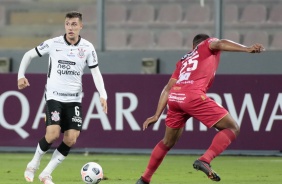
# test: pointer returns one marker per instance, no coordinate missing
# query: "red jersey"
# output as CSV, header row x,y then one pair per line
x,y
196,70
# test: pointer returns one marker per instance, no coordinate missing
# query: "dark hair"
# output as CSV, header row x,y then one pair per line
x,y
199,38
74,14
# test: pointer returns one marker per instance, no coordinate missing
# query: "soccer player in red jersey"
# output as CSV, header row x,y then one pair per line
x,y
185,95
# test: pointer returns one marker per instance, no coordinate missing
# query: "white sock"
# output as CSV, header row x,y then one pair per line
x,y
35,162
57,158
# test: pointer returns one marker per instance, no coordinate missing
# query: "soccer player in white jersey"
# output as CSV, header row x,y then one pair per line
x,y
68,55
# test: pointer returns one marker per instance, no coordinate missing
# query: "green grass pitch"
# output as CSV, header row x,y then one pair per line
x,y
126,169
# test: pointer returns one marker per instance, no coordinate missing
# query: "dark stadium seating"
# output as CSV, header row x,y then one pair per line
x,y
169,13
89,14
276,43
144,24
197,14
170,39
2,16
275,15
116,39
258,36
142,14
253,13
231,14
233,35
142,39
115,14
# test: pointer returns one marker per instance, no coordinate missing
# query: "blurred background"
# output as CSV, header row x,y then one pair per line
x,y
133,30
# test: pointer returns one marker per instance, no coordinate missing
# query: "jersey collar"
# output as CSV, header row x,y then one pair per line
x,y
65,38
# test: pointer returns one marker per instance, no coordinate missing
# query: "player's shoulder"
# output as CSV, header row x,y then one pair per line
x,y
85,43
206,43
57,40
212,39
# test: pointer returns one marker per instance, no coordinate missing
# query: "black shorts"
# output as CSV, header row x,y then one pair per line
x,y
66,114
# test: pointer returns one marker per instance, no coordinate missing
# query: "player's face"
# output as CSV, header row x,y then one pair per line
x,y
73,27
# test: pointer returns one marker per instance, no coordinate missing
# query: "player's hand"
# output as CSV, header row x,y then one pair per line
x,y
23,83
149,121
104,105
256,48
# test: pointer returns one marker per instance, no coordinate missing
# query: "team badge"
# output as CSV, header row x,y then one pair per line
x,y
55,116
81,53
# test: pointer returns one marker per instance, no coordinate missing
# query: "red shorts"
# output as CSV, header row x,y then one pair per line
x,y
182,106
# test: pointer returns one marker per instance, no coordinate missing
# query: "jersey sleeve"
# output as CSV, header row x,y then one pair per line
x,y
208,42
92,59
44,47
176,72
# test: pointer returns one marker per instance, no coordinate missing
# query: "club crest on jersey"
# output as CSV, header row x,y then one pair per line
x,y
81,53
55,116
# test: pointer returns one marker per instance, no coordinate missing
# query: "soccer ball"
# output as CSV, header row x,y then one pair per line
x,y
91,173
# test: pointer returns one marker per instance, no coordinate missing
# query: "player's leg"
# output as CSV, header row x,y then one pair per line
x,y
59,155
71,127
228,131
159,152
210,113
52,133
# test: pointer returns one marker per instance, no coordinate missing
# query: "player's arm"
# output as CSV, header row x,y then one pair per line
x,y
228,45
99,83
28,56
161,104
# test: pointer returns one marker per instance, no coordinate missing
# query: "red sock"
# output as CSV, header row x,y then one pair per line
x,y
220,142
157,156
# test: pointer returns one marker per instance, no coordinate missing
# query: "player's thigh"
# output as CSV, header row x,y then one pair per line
x,y
72,116
52,133
206,110
227,122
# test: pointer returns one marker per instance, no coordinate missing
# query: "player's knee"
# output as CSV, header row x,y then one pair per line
x,y
169,143
52,136
236,129
70,141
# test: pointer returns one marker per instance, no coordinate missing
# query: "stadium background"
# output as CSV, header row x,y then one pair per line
x,y
138,30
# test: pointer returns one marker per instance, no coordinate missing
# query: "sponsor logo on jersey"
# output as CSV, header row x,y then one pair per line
x,y
77,119
66,62
55,116
71,54
65,94
64,68
43,46
68,72
81,53
177,97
